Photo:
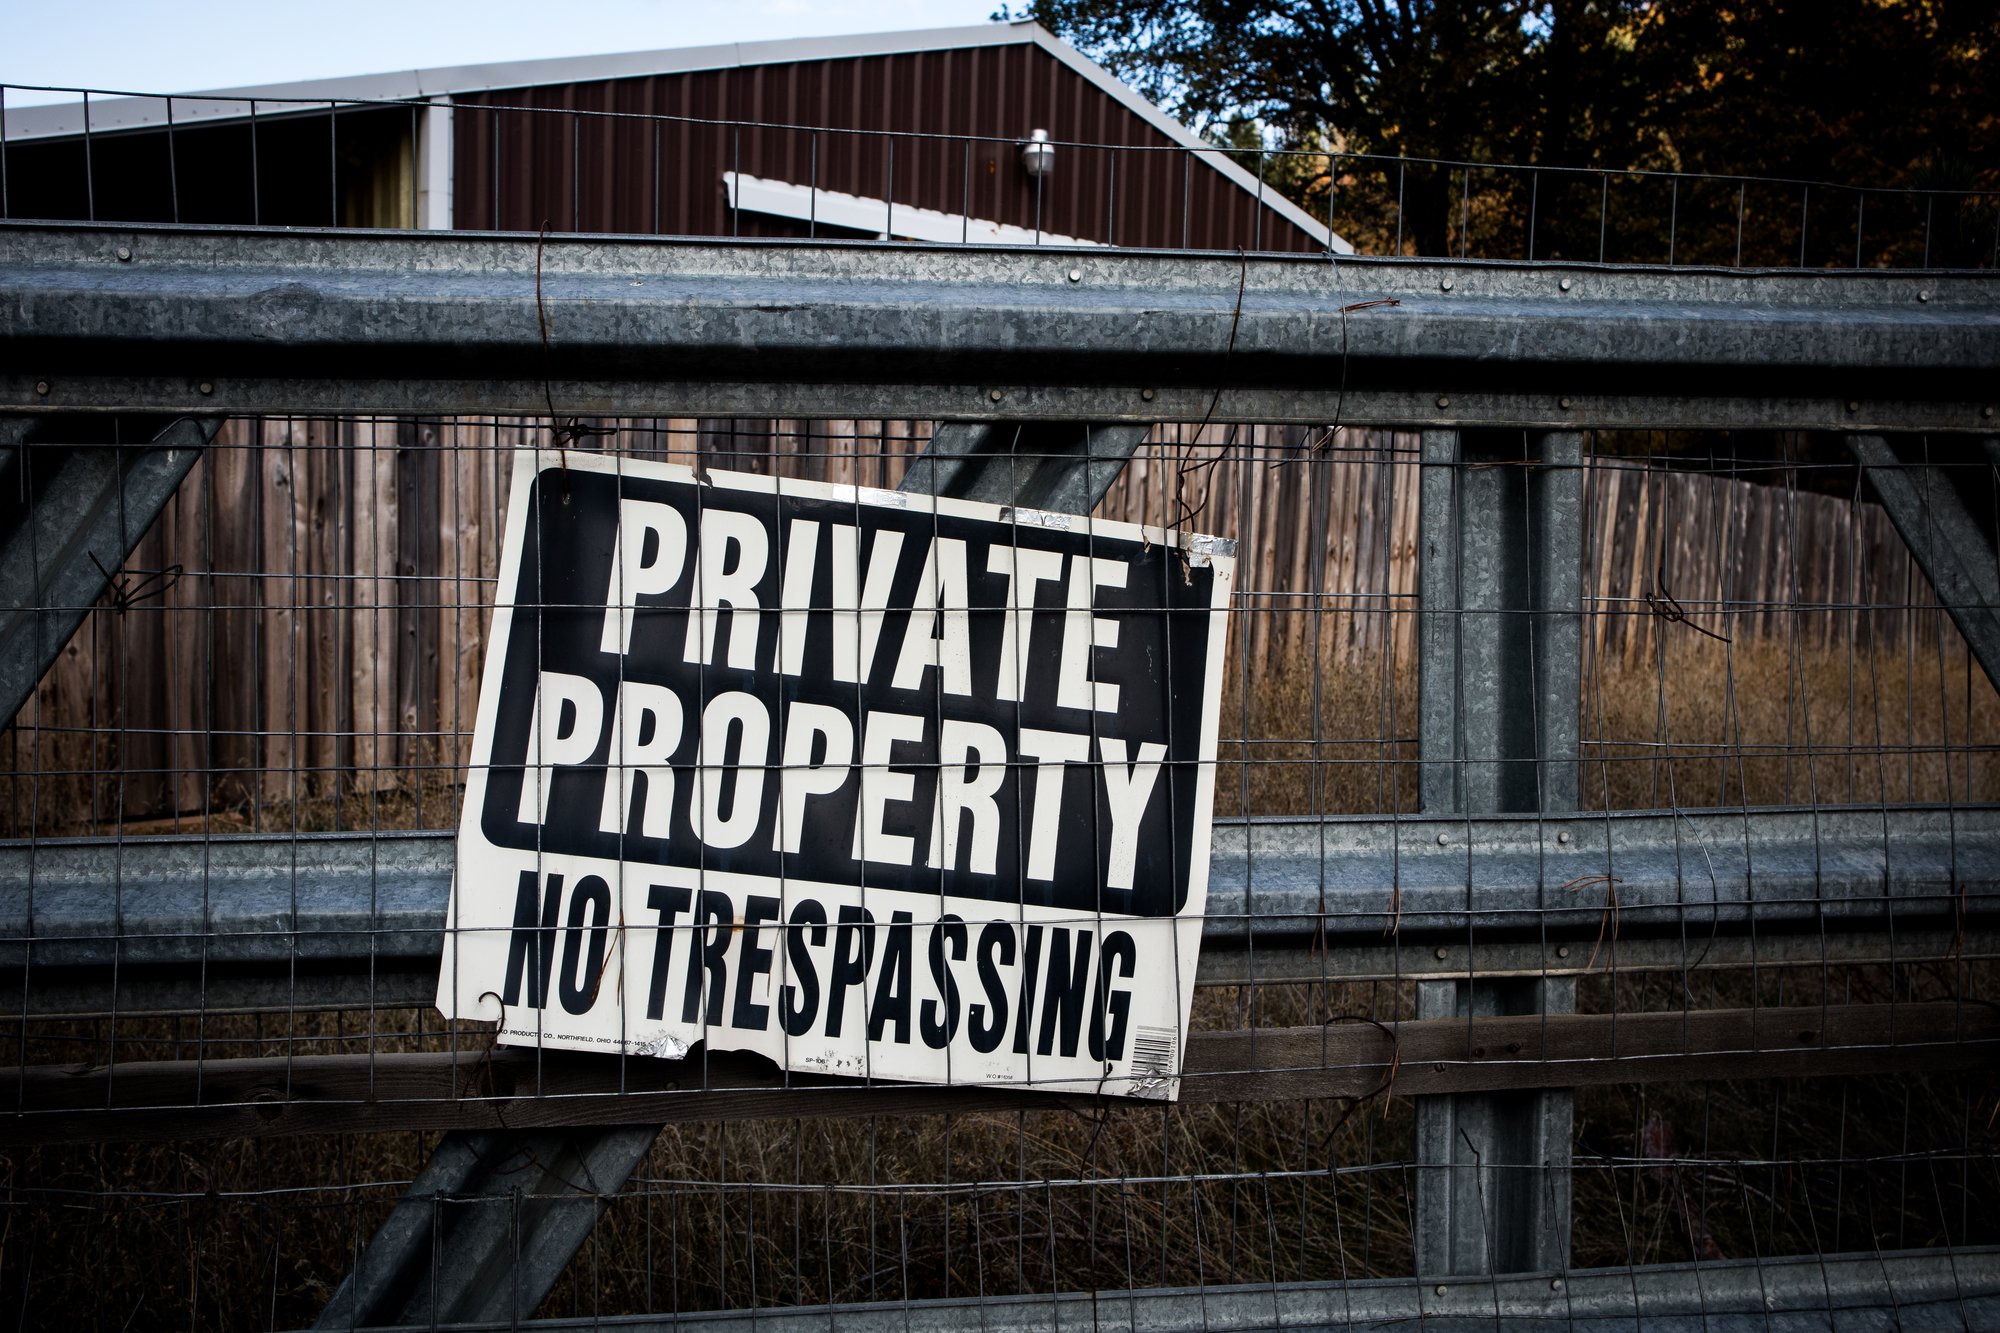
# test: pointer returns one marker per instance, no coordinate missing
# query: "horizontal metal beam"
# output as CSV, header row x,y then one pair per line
x,y
482,1087
410,981
245,320
344,920
1907,1291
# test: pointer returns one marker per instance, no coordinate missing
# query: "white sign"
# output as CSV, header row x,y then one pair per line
x,y
867,783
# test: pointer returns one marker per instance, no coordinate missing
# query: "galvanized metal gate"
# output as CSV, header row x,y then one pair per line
x,y
1509,882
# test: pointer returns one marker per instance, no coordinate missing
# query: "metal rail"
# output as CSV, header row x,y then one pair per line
x,y
355,919
243,320
1899,1290
1492,900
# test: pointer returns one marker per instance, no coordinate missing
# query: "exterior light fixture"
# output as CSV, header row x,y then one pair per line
x,y
1038,155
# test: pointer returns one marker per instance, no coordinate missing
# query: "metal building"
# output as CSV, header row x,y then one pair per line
x,y
929,135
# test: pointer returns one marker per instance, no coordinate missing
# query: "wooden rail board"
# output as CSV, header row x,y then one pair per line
x,y
517,1089
338,576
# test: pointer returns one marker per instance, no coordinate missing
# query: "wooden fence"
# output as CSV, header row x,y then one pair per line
x,y
321,634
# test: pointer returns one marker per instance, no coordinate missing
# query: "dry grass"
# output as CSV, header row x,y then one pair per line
x,y
69,785
742,1214
1696,723
1689,721
795,1212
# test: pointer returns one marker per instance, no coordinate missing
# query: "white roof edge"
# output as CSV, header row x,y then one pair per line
x,y
1129,97
127,113
855,212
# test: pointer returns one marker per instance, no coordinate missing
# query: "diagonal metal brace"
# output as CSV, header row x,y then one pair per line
x,y
486,1231
1061,466
73,505
1945,500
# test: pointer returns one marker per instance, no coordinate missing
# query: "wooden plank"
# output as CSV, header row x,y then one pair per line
x,y
1609,495
1375,531
518,1089
468,529
1408,501
1295,529
372,556
417,473
188,668
233,528
324,500
137,689
279,657
1639,576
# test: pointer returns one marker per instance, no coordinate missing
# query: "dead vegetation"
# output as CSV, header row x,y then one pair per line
x,y
772,1213
1691,722
743,1214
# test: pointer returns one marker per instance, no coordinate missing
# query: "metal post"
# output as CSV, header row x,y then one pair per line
x,y
1500,688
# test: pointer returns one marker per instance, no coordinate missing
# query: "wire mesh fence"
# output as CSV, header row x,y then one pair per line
x,y
296,644
648,156
1769,905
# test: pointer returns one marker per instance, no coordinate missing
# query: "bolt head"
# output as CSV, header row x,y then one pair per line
x,y
206,387
1924,295
1853,406
1146,394
1442,953
1563,403
1443,838
996,395
1562,951
1076,275
1565,284
1563,837
1555,1284
1445,286
1986,411
1438,1290
1444,402
124,254
42,388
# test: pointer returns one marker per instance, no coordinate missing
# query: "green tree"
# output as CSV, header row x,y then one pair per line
x,y
1485,80
1874,92
1869,93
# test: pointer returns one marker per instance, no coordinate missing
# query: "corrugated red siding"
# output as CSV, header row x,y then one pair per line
x,y
521,169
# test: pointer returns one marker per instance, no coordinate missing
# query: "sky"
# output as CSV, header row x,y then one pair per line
x,y
190,45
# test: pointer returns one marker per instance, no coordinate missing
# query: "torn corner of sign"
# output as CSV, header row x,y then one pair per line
x,y
917,791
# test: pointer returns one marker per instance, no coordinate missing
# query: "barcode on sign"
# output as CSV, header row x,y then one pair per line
x,y
1153,1053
